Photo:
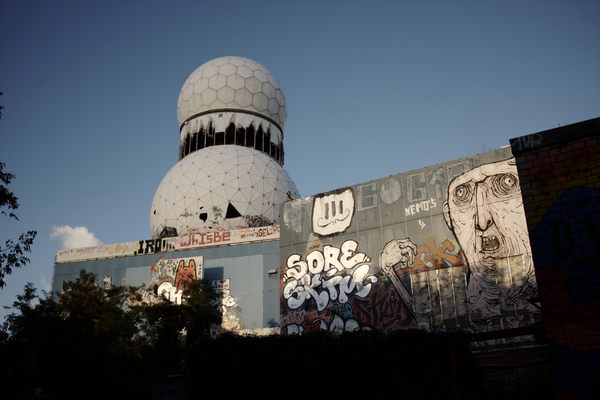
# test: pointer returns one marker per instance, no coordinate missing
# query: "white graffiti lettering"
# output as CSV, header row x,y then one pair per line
x,y
425,205
170,292
331,274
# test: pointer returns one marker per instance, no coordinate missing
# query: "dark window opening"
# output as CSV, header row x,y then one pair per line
x,y
232,212
219,138
210,136
250,136
230,134
201,139
281,153
240,137
273,152
259,139
194,144
267,142
168,231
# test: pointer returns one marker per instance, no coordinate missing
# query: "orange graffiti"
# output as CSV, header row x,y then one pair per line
x,y
430,257
185,274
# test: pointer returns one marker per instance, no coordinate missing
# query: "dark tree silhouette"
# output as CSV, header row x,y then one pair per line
x,y
56,346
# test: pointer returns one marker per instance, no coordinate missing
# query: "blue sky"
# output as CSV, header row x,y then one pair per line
x,y
373,88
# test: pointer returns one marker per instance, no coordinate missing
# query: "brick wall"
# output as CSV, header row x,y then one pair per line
x,y
559,172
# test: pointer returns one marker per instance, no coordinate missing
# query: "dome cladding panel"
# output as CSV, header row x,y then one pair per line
x,y
226,82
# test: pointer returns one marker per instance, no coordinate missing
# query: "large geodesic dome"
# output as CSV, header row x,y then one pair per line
x,y
221,188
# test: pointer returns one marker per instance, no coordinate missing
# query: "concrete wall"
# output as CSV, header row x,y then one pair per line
x,y
441,248
560,181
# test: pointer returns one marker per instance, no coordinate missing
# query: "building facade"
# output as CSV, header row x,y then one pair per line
x,y
241,265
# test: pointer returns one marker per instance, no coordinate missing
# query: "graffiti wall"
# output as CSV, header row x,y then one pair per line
x,y
187,241
228,304
441,248
169,279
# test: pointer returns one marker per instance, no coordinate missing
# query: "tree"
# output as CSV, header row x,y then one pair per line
x,y
57,346
50,340
12,254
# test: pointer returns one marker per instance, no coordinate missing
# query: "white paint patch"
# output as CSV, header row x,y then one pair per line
x,y
333,213
390,191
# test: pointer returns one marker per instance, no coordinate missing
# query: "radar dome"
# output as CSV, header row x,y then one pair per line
x,y
231,83
220,188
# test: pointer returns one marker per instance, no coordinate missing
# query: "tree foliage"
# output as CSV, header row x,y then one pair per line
x,y
88,336
12,253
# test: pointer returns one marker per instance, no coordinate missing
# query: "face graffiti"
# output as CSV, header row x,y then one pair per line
x,y
485,212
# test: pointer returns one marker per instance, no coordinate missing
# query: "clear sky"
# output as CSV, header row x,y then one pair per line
x,y
373,88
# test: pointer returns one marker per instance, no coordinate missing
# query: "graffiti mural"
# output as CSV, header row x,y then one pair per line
x,y
169,279
441,248
484,211
228,304
170,276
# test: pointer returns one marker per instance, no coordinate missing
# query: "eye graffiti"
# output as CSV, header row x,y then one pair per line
x,y
500,185
504,184
463,194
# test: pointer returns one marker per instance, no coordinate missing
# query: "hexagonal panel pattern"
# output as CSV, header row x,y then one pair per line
x,y
227,75
220,188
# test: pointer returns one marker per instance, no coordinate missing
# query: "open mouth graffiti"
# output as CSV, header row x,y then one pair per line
x,y
490,243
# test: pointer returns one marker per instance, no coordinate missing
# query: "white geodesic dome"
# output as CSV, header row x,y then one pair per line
x,y
221,188
235,83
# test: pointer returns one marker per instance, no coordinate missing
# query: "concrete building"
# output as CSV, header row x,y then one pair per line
x,y
442,248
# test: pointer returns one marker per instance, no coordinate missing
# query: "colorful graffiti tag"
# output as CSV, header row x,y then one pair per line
x,y
443,248
169,280
170,276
